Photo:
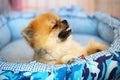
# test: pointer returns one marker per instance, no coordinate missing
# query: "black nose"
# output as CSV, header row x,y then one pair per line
x,y
65,22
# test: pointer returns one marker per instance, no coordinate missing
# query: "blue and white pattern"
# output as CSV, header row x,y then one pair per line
x,y
103,65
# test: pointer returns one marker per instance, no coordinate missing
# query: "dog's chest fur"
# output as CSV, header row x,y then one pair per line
x,y
51,54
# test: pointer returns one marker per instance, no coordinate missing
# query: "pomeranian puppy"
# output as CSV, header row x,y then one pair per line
x,y
50,38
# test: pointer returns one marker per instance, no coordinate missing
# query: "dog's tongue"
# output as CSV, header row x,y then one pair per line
x,y
64,30
67,29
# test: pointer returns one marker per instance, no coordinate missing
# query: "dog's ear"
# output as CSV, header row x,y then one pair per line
x,y
28,33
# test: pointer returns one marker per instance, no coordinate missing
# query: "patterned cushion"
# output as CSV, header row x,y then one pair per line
x,y
5,35
33,70
104,65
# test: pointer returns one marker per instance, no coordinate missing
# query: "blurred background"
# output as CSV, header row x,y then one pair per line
x,y
111,7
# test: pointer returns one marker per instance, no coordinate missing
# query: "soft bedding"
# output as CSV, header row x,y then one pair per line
x,y
103,65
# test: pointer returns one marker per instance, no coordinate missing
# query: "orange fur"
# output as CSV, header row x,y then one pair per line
x,y
94,47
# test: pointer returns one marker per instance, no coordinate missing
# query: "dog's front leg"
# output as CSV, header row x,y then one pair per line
x,y
67,59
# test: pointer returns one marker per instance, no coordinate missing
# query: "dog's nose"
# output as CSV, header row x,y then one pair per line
x,y
65,22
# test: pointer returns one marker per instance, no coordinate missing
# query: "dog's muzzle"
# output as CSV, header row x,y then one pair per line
x,y
66,31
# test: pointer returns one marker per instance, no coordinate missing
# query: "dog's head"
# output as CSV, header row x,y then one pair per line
x,y
46,29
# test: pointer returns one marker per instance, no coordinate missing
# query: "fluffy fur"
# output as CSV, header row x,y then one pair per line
x,y
50,38
94,47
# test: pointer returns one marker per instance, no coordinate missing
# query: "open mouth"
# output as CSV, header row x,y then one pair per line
x,y
64,34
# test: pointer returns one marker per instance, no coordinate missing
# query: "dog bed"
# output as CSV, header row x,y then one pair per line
x,y
103,65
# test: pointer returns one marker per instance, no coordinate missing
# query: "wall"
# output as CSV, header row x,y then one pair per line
x,y
4,6
108,6
35,5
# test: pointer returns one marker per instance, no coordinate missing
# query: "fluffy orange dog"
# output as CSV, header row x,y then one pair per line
x,y
50,37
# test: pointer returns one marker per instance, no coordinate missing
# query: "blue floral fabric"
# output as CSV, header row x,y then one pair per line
x,y
102,67
26,75
32,71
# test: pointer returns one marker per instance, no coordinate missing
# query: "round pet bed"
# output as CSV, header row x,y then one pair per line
x,y
103,65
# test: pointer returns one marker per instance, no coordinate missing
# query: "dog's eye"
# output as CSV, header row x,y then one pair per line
x,y
54,26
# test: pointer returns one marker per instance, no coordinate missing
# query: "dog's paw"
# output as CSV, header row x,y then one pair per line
x,y
68,59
